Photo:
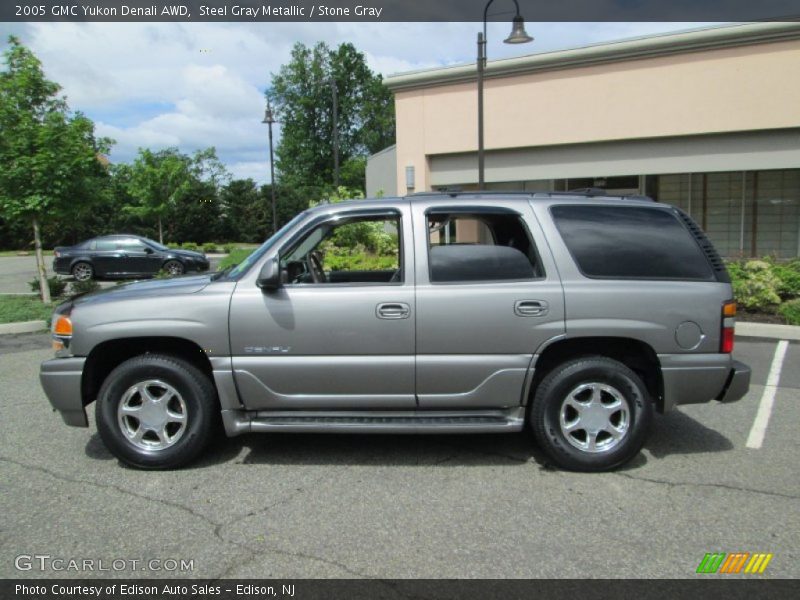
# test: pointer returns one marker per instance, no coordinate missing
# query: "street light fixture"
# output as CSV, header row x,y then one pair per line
x,y
269,119
518,36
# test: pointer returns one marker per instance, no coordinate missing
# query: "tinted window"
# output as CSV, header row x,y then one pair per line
x,y
630,242
106,245
131,245
480,247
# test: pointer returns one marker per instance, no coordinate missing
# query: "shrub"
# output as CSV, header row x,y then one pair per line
x,y
755,286
228,248
173,245
788,275
189,246
76,288
359,261
791,311
209,247
56,285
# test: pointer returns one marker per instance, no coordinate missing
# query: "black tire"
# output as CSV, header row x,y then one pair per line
x,y
82,271
174,268
577,381
199,405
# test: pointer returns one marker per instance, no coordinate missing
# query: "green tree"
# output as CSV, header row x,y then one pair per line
x,y
302,94
182,189
157,182
50,158
246,214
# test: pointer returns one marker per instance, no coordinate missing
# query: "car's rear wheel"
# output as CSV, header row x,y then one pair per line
x,y
591,414
156,411
82,271
174,268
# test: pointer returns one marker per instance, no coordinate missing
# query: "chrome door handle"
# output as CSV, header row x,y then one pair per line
x,y
530,308
392,310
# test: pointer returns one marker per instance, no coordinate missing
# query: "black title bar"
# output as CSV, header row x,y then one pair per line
x,y
399,589
397,10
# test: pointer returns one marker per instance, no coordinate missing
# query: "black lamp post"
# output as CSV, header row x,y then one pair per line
x,y
517,36
269,119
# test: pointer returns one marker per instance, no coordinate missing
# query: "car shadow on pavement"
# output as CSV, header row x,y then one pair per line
x,y
674,433
678,433
365,450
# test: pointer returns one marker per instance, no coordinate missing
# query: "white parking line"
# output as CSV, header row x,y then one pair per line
x,y
759,429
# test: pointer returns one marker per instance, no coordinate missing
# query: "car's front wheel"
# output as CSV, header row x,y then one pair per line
x,y
591,414
156,411
173,268
82,271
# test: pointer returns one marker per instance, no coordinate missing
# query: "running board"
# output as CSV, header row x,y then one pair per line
x,y
238,422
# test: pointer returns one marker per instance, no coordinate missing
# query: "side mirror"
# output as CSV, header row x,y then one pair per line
x,y
148,250
269,278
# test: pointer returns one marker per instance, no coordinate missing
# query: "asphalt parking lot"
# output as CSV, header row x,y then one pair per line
x,y
404,507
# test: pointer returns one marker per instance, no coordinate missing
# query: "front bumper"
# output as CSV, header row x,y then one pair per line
x,y
737,385
61,380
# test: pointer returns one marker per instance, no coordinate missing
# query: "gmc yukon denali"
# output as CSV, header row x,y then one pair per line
x,y
570,316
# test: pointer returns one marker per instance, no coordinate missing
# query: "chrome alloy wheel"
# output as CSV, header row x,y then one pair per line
x,y
174,268
594,417
82,272
152,415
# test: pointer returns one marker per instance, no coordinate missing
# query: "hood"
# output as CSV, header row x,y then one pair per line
x,y
152,287
188,253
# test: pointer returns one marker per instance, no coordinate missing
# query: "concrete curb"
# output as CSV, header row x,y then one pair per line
x,y
768,330
23,327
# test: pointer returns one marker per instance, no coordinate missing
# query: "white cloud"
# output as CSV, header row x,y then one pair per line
x,y
195,85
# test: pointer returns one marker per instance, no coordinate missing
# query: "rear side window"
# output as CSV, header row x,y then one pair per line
x,y
481,247
628,242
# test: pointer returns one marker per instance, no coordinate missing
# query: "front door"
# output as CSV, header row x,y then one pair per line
x,y
340,332
488,296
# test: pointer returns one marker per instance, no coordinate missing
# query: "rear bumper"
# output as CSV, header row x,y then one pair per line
x,y
61,380
699,378
738,383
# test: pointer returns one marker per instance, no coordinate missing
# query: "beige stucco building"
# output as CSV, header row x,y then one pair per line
x,y
708,120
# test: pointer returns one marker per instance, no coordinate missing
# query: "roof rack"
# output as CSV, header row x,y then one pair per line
x,y
589,191
586,192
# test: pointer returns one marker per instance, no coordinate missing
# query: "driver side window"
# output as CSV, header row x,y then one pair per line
x,y
356,250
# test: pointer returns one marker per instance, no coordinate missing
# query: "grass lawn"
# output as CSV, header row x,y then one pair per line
x,y
24,308
235,257
28,252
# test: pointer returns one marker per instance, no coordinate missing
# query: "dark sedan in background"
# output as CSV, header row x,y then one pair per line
x,y
124,256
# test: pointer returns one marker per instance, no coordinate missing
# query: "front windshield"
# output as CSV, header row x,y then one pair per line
x,y
243,266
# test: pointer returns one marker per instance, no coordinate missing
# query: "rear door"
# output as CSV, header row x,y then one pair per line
x,y
488,295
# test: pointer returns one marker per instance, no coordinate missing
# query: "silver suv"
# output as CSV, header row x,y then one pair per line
x,y
576,315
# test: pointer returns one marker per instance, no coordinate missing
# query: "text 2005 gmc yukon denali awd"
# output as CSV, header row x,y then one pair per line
x,y
438,313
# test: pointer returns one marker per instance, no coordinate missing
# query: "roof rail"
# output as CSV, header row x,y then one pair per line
x,y
589,191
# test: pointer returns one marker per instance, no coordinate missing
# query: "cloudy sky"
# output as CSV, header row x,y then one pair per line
x,y
195,85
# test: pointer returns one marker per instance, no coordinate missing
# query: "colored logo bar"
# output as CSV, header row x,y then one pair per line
x,y
720,562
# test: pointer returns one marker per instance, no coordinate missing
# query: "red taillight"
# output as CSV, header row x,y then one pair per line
x,y
728,324
727,340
